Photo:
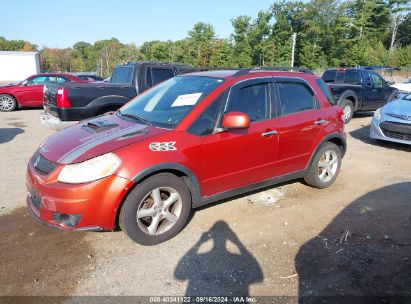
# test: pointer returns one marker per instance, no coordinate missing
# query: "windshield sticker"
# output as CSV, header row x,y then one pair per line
x,y
186,100
163,146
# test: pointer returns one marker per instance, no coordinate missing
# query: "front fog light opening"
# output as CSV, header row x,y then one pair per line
x,y
68,220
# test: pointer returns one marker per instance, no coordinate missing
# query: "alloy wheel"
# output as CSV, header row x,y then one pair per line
x,y
347,112
327,166
159,210
6,103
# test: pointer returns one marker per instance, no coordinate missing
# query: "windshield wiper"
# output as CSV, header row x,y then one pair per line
x,y
136,117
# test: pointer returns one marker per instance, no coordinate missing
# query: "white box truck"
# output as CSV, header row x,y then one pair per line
x,y
17,66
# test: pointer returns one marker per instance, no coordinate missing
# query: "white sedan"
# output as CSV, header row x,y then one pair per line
x,y
392,122
403,87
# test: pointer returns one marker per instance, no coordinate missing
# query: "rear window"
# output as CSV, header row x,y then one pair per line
x,y
123,75
329,76
326,91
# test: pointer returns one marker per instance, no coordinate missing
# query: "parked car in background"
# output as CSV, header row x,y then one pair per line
x,y
358,90
392,122
192,140
403,87
29,92
67,103
88,77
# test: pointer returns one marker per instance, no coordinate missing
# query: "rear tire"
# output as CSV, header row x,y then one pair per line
x,y
324,167
7,103
348,109
156,210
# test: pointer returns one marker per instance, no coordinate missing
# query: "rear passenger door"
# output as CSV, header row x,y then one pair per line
x,y
300,123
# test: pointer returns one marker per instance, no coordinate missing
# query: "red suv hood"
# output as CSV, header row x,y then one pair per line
x,y
94,137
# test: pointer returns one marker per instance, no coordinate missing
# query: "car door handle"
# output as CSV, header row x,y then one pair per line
x,y
270,133
321,122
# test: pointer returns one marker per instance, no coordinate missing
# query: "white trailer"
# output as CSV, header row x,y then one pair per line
x,y
16,66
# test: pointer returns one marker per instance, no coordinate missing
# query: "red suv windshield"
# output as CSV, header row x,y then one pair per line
x,y
167,104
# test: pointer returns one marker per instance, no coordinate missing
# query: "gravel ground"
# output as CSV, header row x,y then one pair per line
x,y
350,239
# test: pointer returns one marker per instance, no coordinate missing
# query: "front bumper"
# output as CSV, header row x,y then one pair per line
x,y
377,133
95,203
51,122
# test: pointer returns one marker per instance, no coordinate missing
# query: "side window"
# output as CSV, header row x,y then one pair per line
x,y
295,97
159,75
38,80
122,75
340,76
326,91
205,122
377,80
149,81
253,100
352,77
329,75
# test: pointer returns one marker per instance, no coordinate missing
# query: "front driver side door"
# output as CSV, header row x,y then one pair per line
x,y
31,92
235,158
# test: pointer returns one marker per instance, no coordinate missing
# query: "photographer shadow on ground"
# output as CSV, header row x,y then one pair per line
x,y
218,265
364,253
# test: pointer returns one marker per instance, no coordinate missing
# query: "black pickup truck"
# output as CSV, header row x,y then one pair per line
x,y
65,104
358,90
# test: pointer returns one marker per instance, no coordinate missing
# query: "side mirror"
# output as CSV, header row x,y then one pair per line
x,y
236,120
368,84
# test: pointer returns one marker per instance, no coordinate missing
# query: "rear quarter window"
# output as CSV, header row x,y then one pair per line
x,y
329,76
326,91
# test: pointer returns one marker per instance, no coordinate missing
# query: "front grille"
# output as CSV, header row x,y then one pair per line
x,y
35,199
42,164
396,130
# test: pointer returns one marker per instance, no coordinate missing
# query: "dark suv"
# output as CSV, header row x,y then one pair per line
x,y
190,141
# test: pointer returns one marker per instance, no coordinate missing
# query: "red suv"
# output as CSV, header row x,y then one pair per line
x,y
190,141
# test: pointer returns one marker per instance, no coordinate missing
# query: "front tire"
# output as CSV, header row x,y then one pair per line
x,y
324,167
7,103
156,210
348,110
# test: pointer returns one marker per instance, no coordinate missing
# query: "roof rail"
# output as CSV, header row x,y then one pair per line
x,y
156,62
275,68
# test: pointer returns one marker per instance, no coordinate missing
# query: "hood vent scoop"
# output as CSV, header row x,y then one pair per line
x,y
98,125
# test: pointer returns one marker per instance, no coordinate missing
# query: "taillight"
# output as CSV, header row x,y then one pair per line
x,y
63,100
340,113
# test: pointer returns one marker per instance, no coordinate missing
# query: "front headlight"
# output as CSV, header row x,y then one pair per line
x,y
90,170
377,114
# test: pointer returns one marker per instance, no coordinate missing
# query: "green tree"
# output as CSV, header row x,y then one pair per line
x,y
242,51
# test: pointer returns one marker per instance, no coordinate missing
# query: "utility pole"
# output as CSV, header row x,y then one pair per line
x,y
294,38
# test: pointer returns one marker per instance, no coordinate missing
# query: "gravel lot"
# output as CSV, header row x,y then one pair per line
x,y
351,239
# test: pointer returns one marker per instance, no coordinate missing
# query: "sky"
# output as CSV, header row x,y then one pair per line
x,y
61,23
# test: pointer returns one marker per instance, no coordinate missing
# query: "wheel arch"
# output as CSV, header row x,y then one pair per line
x,y
179,170
350,95
108,102
337,139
